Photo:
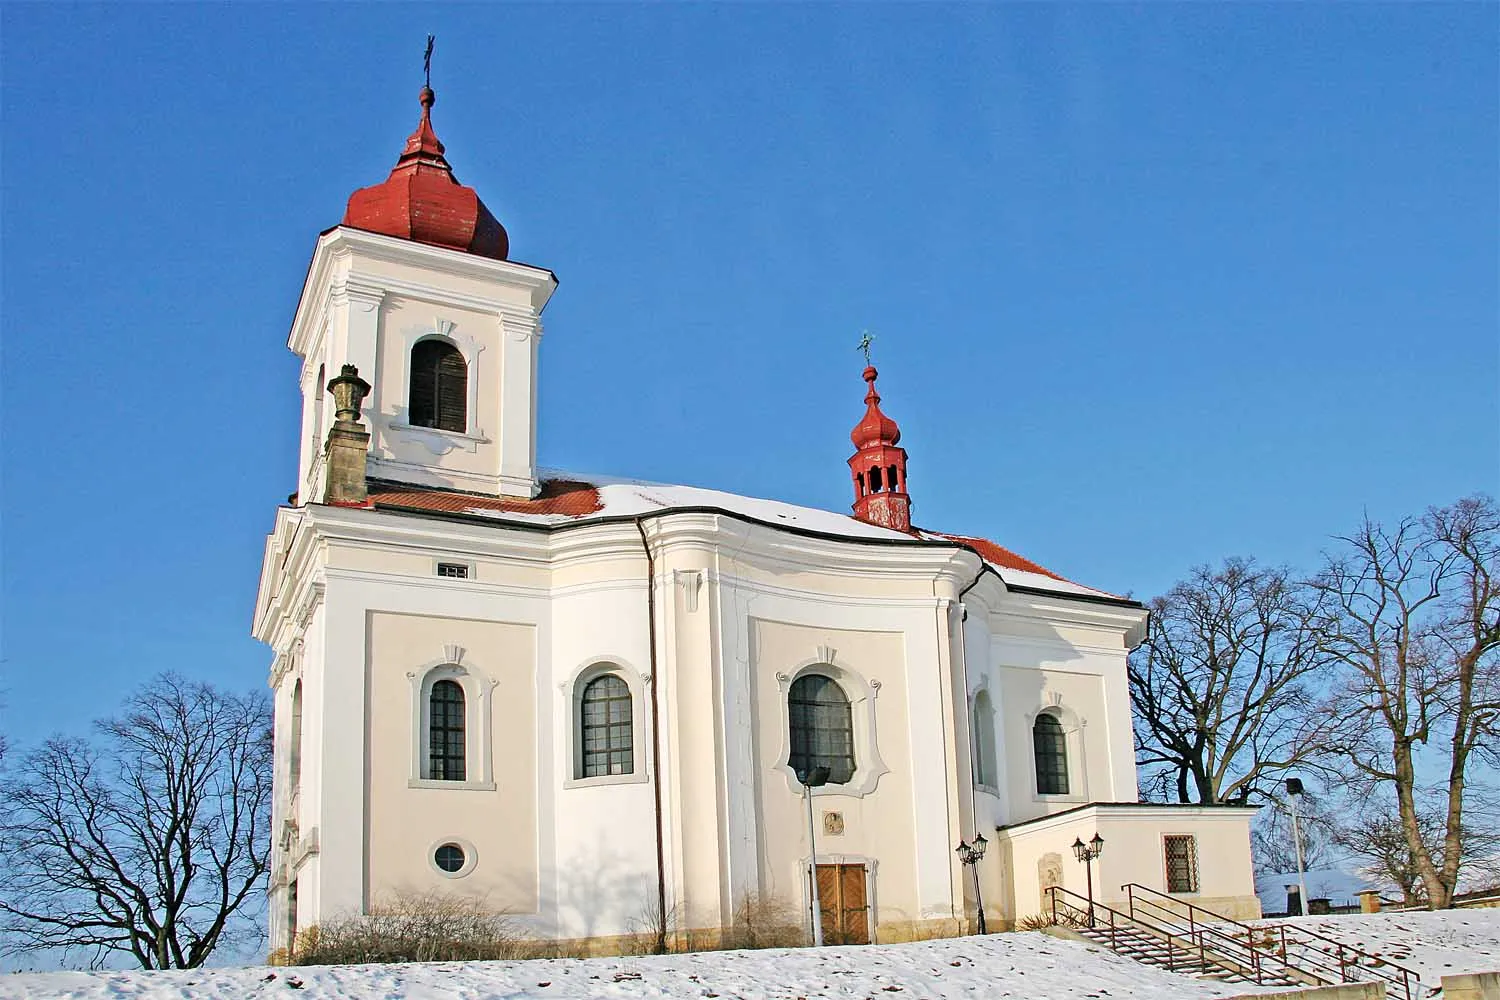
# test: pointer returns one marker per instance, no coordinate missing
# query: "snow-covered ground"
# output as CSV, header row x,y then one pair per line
x,y
1029,965
1430,944
1020,965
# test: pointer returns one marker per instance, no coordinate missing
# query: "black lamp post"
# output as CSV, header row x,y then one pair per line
x,y
1087,853
810,778
969,855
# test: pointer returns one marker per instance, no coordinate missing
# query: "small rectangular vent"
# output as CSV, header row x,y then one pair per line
x,y
455,571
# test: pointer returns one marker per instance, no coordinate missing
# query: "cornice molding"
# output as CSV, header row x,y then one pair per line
x,y
339,251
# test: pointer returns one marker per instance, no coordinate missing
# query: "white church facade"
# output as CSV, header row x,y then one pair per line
x,y
582,701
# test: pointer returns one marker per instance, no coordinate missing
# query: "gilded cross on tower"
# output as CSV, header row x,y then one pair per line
x,y
427,61
864,345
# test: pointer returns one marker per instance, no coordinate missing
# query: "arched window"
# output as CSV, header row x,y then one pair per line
x,y
439,387
985,771
822,725
445,732
320,388
1050,744
606,737
294,749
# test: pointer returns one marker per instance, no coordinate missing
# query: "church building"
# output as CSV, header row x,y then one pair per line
x,y
585,702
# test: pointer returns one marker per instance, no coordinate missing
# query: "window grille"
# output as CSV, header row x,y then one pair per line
x,y
439,387
445,760
1050,744
450,858
1182,863
607,739
822,727
456,571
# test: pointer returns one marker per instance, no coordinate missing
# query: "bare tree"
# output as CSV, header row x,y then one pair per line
x,y
1412,616
149,839
1377,840
1221,688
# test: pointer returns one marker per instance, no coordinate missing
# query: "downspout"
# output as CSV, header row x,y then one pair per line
x,y
661,853
963,666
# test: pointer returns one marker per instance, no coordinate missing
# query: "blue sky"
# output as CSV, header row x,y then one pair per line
x,y
1151,285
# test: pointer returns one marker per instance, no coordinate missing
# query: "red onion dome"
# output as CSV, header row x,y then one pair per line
x,y
421,200
875,428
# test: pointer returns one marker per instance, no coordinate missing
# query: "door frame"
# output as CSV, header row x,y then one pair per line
x,y
864,861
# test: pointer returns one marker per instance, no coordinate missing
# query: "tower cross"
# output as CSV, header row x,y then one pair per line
x,y
864,345
427,62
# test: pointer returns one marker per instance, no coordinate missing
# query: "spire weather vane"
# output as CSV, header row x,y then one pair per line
x,y
427,62
864,345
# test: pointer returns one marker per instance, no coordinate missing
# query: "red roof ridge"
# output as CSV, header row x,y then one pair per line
x,y
1002,557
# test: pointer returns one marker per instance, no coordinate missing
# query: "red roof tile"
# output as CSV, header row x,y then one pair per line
x,y
1000,555
559,497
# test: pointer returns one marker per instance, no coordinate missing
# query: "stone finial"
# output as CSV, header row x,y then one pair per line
x,y
349,392
348,441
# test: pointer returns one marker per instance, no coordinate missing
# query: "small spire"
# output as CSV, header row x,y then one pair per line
x,y
878,465
423,145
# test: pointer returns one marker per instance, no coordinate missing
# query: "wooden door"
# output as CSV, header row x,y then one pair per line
x,y
845,904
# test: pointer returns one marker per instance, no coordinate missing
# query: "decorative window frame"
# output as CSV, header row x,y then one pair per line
x,y
478,736
572,689
991,786
868,765
471,856
437,441
1073,726
1166,881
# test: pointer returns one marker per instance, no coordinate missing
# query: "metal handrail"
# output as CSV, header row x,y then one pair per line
x,y
1212,947
1349,958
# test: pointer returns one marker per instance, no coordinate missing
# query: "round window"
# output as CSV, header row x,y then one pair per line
x,y
449,857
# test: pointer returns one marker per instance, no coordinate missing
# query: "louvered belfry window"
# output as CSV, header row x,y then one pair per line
x,y
445,732
439,387
822,724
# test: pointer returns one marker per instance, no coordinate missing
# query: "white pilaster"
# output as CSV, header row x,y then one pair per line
x,y
340,760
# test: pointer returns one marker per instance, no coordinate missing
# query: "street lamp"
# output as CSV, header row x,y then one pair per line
x,y
813,777
970,855
1294,791
1087,853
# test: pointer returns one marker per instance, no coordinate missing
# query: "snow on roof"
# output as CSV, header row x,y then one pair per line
x,y
572,498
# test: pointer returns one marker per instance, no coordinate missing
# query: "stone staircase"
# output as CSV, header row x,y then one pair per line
x,y
1170,933
1150,948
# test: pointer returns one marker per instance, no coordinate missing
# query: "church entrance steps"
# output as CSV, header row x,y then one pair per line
x,y
1156,929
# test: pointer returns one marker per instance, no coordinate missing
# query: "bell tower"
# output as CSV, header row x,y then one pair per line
x,y
416,289
878,466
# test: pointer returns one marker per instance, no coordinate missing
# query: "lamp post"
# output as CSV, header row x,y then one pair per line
x,y
1087,853
969,855
1293,793
813,777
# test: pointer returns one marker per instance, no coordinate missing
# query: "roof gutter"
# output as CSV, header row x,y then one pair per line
x,y
1119,602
